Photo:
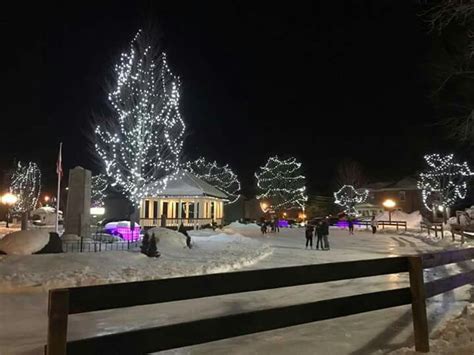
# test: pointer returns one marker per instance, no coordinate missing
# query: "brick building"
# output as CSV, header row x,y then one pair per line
x,y
404,192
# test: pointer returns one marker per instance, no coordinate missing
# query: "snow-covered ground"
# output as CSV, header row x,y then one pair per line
x,y
366,333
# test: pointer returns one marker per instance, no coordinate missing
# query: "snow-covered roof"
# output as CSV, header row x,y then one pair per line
x,y
187,184
407,183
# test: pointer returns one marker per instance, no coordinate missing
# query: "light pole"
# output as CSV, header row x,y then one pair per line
x,y
9,200
389,204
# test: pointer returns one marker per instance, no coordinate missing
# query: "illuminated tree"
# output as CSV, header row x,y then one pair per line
x,y
98,187
348,197
221,177
444,182
142,142
26,186
281,183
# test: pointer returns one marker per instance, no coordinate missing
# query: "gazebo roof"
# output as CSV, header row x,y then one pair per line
x,y
187,184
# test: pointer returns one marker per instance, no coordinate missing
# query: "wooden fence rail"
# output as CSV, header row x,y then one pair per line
x,y
63,302
435,226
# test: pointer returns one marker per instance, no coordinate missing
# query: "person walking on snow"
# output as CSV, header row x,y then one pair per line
x,y
350,223
309,236
325,233
319,235
374,225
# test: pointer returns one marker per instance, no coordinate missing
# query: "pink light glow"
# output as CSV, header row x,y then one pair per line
x,y
124,232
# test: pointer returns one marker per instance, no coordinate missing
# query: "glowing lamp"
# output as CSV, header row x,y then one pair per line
x,y
97,211
46,198
9,199
389,203
264,206
440,208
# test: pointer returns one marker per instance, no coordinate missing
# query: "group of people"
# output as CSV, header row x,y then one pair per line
x,y
321,232
272,224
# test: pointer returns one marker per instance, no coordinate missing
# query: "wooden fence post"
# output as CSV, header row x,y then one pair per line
x,y
418,304
58,310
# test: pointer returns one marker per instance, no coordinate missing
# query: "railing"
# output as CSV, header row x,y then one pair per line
x,y
81,246
175,222
434,226
63,302
397,224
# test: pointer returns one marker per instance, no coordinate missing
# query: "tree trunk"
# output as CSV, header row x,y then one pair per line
x,y
24,221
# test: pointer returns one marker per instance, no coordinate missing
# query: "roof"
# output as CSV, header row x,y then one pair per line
x,y
407,183
187,184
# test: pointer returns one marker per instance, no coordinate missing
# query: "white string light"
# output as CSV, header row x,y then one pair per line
x,y
281,183
221,177
26,186
445,182
99,185
142,152
348,197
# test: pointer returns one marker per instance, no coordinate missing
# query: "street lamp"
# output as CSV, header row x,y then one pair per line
x,y
9,200
264,206
390,205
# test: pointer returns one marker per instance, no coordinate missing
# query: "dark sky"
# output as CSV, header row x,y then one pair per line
x,y
320,81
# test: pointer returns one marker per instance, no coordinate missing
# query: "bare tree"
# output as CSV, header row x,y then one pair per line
x,y
141,144
455,75
350,172
26,186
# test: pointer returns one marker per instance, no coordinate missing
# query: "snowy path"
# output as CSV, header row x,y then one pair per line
x,y
359,334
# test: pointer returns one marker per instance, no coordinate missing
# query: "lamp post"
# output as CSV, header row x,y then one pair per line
x,y
389,204
9,200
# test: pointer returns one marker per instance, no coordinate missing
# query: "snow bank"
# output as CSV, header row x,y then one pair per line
x,y
413,219
237,224
219,253
24,242
168,239
456,337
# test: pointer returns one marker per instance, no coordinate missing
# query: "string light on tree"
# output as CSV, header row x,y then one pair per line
x,y
99,185
26,186
445,182
221,177
281,183
142,148
348,197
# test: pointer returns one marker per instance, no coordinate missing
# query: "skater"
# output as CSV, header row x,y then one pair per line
x,y
263,228
374,225
319,235
350,223
277,227
309,236
325,233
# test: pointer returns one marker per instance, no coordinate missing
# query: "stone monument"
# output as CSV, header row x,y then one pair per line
x,y
78,206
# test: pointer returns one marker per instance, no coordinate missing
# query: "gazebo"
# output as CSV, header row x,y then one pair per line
x,y
188,200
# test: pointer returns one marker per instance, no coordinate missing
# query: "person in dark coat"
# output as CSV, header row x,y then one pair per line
x,y
182,230
263,227
319,234
350,223
309,236
325,233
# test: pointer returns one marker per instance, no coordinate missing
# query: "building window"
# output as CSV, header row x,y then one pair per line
x,y
165,209
147,209
191,210
402,195
155,209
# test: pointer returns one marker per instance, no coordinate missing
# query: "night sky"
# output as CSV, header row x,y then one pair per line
x,y
319,81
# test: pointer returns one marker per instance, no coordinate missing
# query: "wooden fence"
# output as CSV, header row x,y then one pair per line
x,y
433,226
397,224
63,302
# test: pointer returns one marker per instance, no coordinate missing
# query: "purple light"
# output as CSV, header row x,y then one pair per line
x,y
345,224
283,223
123,230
